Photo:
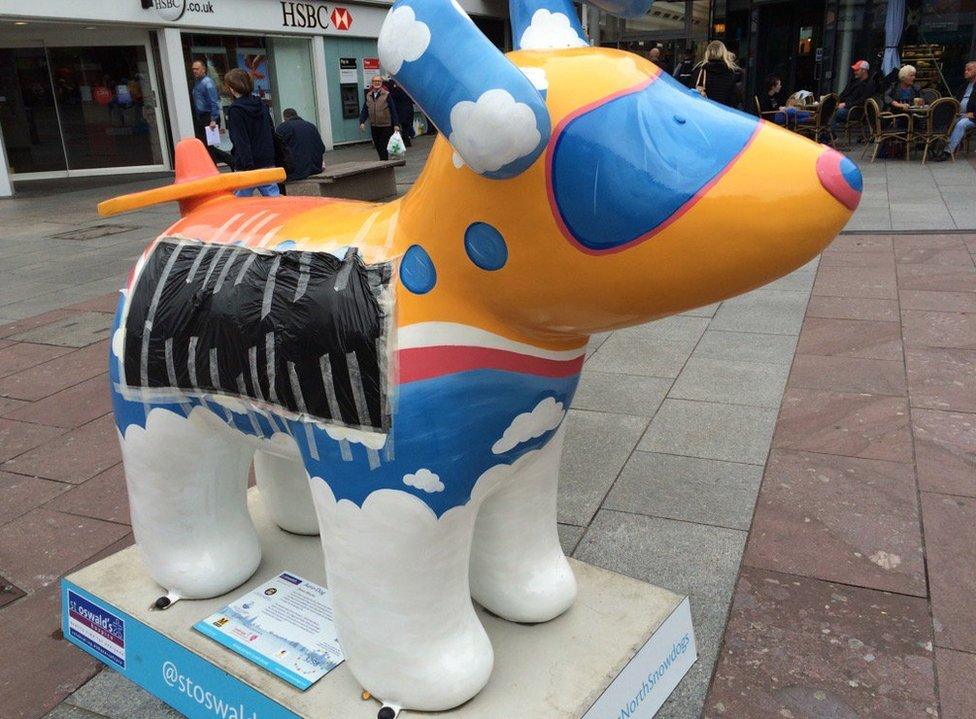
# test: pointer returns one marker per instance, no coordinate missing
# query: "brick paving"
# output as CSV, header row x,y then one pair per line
x,y
843,396
857,591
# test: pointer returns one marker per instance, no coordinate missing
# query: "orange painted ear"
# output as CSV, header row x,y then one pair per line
x,y
197,181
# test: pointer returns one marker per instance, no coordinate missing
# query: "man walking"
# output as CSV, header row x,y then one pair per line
x,y
382,115
857,92
305,143
685,71
206,110
967,112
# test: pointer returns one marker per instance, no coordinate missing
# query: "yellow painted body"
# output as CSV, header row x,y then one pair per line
x,y
766,216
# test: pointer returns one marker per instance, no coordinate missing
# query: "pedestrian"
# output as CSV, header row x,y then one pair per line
x,y
655,56
382,115
685,71
966,122
251,130
404,109
718,74
857,92
206,110
303,140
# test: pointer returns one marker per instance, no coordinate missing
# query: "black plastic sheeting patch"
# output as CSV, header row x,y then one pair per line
x,y
301,330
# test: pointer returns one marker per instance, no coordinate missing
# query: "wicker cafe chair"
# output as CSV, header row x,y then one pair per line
x,y
854,122
764,114
820,124
882,128
930,95
937,124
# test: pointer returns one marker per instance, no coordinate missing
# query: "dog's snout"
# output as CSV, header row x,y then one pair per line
x,y
841,178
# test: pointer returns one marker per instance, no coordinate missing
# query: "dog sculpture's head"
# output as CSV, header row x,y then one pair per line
x,y
579,189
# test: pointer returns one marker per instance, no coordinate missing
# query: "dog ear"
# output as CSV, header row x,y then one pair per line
x,y
490,112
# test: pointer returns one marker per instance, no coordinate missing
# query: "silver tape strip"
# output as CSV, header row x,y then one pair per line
x,y
269,357
247,265
348,263
269,287
191,362
325,368
226,269
304,267
252,361
358,393
296,389
215,379
151,314
242,390
196,264
213,264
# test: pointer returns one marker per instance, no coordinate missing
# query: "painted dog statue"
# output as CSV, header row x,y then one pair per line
x,y
400,373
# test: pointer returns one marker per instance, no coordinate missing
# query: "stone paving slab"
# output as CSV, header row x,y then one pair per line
x,y
945,451
798,647
843,519
950,530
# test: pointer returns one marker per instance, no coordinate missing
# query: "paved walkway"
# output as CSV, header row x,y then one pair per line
x,y
904,196
831,593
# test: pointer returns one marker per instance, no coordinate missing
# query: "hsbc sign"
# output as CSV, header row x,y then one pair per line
x,y
314,15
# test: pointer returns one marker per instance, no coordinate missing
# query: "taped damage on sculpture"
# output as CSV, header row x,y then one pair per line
x,y
406,368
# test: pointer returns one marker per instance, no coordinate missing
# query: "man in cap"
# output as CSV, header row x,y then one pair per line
x,y
857,92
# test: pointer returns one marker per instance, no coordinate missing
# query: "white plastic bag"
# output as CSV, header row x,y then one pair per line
x,y
395,147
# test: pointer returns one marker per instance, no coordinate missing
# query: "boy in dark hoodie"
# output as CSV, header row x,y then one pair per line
x,y
251,131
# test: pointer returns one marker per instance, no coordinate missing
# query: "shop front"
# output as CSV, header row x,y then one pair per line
x,y
79,100
811,44
672,26
103,87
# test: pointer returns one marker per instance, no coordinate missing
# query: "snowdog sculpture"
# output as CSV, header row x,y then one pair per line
x,y
405,369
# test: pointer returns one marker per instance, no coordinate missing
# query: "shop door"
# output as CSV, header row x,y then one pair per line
x,y
68,111
788,38
28,114
345,95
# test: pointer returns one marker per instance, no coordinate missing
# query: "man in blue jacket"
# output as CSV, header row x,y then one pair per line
x,y
206,110
305,143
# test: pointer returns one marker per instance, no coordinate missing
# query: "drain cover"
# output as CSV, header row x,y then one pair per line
x,y
8,592
93,232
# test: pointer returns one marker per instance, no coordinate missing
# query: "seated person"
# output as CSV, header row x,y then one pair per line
x,y
769,102
901,96
305,144
857,92
966,122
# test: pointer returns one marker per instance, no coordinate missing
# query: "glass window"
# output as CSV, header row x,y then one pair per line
x,y
101,96
28,115
291,64
665,20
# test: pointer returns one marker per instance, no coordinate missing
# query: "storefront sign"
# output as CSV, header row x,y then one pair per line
x,y
371,68
348,70
292,17
304,14
173,10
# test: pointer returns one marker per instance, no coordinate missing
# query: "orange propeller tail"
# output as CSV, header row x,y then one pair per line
x,y
197,181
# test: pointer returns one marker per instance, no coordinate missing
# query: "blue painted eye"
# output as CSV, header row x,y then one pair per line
x,y
286,245
485,246
627,167
417,271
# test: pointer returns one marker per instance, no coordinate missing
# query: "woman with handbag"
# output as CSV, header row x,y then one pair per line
x,y
251,131
718,74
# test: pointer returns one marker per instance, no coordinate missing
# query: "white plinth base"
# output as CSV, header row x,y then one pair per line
x,y
617,654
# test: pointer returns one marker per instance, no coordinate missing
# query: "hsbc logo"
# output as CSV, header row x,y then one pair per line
x,y
313,15
341,19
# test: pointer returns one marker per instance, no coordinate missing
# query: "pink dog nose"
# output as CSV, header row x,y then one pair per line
x,y
841,178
